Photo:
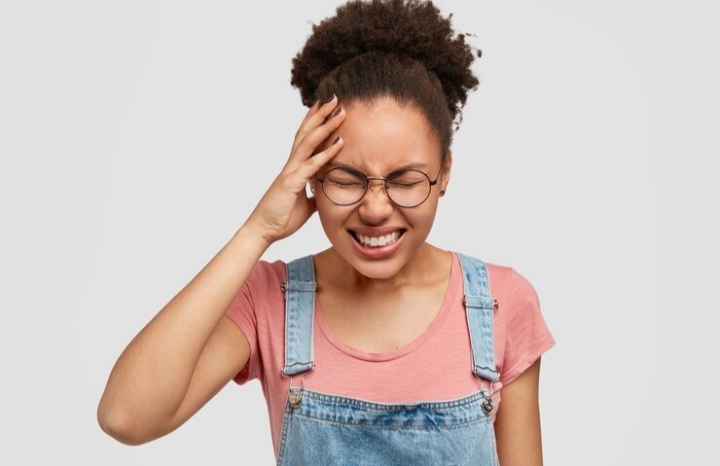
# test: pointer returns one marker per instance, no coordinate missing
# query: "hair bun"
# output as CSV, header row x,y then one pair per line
x,y
404,27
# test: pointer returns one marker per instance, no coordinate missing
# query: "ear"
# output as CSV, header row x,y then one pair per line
x,y
445,175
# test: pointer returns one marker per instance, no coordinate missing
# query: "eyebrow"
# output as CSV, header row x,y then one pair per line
x,y
410,166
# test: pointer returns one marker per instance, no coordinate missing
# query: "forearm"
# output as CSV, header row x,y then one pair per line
x,y
151,377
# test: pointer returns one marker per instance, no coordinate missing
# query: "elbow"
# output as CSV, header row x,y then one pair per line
x,y
123,426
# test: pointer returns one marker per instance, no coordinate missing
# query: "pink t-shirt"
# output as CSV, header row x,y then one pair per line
x,y
434,367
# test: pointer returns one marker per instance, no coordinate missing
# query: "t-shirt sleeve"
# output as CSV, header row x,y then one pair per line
x,y
527,335
242,313
249,311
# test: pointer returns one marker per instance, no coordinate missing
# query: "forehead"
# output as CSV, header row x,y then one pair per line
x,y
383,134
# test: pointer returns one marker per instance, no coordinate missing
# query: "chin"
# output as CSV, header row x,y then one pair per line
x,y
383,270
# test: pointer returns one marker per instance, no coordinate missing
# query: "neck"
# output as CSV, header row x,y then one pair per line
x,y
428,265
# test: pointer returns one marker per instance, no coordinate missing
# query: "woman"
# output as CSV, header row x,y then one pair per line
x,y
381,349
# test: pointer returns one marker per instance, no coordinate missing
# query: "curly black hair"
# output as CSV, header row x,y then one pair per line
x,y
400,48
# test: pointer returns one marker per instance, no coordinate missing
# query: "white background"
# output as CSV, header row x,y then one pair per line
x,y
136,136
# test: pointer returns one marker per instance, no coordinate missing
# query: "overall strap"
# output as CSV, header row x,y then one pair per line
x,y
299,312
479,307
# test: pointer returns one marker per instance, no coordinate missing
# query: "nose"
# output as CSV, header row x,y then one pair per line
x,y
375,206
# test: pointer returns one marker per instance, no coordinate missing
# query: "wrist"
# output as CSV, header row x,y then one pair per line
x,y
252,238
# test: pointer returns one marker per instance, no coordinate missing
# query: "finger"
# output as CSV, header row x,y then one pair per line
x,y
311,111
314,118
320,110
307,147
311,166
298,176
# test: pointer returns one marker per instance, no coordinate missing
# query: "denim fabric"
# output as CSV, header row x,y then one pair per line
x,y
323,429
330,430
479,307
299,316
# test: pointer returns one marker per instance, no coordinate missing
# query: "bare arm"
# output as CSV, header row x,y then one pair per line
x,y
149,392
517,426
189,350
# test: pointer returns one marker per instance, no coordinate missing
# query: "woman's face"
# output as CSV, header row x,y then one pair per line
x,y
375,236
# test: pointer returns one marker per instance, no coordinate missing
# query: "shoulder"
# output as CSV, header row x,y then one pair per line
x,y
259,302
267,274
515,294
261,289
521,330
506,281
511,285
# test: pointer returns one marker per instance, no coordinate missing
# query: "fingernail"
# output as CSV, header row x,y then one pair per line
x,y
336,140
329,99
337,111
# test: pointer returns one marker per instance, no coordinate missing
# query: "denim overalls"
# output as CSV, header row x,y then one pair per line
x,y
322,429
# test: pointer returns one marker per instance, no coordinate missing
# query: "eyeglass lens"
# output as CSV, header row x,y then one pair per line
x,y
407,188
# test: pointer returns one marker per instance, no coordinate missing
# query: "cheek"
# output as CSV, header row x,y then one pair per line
x,y
321,202
317,190
330,215
424,217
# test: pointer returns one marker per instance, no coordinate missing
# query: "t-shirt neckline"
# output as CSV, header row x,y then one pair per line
x,y
450,297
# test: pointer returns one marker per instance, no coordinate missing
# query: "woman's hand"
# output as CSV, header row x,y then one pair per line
x,y
285,207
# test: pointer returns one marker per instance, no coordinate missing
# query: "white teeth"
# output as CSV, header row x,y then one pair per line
x,y
377,241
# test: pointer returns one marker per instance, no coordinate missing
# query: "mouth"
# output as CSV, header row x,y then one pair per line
x,y
377,241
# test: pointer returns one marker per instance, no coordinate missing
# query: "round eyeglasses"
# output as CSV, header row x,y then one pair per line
x,y
407,188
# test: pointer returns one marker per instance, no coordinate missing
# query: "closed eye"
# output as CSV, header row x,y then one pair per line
x,y
407,183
